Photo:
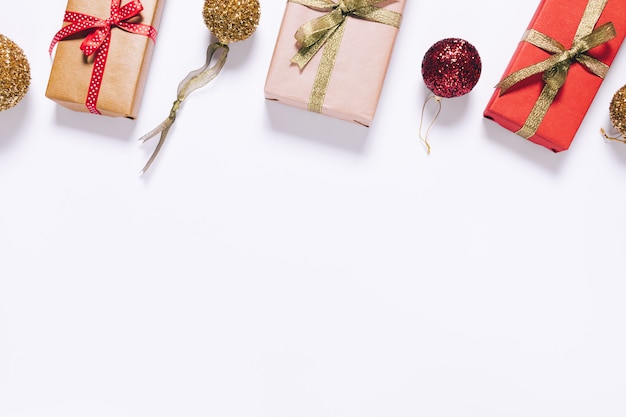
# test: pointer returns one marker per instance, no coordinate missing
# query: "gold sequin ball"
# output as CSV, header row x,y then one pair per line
x,y
231,20
14,73
617,110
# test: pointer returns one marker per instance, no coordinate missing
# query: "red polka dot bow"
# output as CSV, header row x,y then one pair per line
x,y
98,39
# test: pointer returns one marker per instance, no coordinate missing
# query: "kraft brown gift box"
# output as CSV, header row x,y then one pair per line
x,y
126,67
358,74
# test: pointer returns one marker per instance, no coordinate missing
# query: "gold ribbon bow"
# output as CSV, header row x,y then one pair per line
x,y
556,67
327,31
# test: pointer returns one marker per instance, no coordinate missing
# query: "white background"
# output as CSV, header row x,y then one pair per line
x,y
280,263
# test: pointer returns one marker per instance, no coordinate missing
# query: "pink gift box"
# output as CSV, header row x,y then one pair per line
x,y
358,74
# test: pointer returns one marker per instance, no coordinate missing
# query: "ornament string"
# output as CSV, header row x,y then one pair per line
x,y
556,67
98,40
195,79
424,137
327,31
618,138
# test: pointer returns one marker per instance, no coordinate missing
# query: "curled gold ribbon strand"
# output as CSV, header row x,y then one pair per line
x,y
194,80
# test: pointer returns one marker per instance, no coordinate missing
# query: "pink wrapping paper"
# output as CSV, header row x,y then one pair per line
x,y
359,73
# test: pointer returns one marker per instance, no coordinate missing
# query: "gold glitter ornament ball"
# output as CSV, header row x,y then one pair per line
x,y
617,110
14,73
231,20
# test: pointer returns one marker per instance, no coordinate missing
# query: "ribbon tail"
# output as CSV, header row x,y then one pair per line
x,y
165,124
163,129
306,53
594,66
539,111
311,32
194,80
94,40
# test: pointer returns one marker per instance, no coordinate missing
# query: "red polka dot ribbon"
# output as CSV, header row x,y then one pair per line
x,y
98,39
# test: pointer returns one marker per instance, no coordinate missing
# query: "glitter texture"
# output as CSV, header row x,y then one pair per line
x,y
617,110
231,20
14,73
451,67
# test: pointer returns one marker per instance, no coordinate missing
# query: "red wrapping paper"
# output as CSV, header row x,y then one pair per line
x,y
558,19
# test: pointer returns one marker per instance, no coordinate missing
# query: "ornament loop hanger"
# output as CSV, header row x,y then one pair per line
x,y
424,138
618,138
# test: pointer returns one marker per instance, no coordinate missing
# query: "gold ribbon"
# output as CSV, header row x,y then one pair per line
x,y
193,81
327,32
556,67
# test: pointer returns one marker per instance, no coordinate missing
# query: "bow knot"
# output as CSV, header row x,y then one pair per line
x,y
572,54
577,49
313,35
115,18
101,28
102,31
345,10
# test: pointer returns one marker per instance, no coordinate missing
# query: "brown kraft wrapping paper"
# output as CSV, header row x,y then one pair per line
x,y
126,68
358,74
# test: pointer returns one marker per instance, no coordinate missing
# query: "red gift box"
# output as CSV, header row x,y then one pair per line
x,y
559,20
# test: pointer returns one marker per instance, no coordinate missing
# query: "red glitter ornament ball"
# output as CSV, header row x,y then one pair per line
x,y
451,67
